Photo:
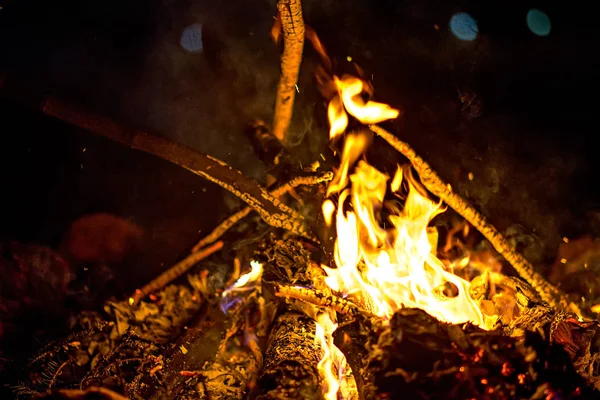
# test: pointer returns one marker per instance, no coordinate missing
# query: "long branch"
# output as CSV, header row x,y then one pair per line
x,y
273,211
432,181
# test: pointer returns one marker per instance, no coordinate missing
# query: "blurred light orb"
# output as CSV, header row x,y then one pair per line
x,y
538,22
191,38
464,27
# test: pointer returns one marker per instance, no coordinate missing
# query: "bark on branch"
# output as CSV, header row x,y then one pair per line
x,y
290,13
291,359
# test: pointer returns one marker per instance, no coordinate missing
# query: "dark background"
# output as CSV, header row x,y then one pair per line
x,y
531,150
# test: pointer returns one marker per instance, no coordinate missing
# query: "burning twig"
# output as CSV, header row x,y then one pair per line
x,y
319,298
432,181
174,272
290,13
277,193
274,212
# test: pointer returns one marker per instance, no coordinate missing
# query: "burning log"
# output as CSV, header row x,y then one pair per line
x,y
438,187
292,23
296,346
290,368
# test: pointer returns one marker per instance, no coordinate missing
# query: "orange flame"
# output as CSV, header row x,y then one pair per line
x,y
386,263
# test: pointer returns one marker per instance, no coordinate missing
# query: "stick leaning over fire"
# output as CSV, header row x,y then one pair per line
x,y
273,211
432,181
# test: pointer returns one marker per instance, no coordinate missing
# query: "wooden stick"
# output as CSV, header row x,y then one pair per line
x,y
277,193
290,12
316,297
174,272
432,181
274,212
290,369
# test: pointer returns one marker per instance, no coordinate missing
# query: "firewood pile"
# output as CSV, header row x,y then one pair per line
x,y
338,287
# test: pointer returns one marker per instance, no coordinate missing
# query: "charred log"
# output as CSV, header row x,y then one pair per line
x,y
290,368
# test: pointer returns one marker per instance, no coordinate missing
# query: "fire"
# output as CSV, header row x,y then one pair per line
x,y
349,97
333,359
385,263
246,282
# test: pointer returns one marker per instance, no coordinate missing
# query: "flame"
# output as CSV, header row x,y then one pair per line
x,y
244,283
350,90
354,146
385,263
333,359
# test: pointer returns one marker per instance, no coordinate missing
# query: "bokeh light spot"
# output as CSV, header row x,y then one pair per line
x,y
191,38
538,22
463,26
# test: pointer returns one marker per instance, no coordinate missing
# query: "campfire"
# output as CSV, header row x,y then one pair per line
x,y
344,288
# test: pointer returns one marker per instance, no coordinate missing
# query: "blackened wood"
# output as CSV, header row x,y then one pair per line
x,y
290,363
352,339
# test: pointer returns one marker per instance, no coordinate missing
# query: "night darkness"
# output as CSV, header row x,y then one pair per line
x,y
529,144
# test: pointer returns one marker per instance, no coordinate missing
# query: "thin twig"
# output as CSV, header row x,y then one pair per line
x,y
277,193
174,272
56,374
290,12
432,181
274,212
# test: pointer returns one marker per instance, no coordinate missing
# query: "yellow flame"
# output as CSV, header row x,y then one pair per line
x,y
250,277
386,263
328,210
354,146
332,357
370,112
245,281
397,181
336,113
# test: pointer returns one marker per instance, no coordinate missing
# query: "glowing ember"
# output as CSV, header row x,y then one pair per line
x,y
386,263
